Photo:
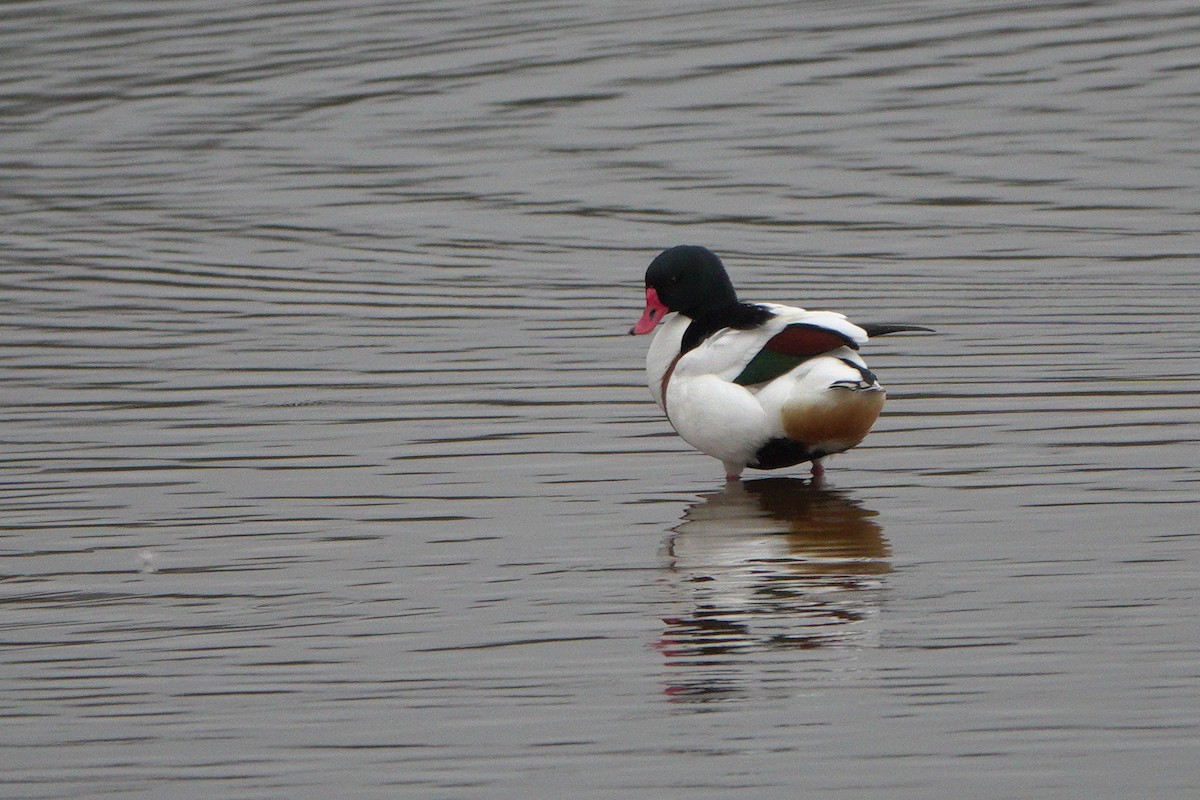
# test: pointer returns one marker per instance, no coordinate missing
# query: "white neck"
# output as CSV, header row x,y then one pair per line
x,y
663,351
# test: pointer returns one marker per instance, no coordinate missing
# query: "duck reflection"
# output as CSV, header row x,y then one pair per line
x,y
765,566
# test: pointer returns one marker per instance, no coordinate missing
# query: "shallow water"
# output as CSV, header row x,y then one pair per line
x,y
329,470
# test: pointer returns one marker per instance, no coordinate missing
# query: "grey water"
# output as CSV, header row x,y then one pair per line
x,y
328,470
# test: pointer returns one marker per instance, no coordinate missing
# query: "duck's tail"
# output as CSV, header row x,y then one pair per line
x,y
874,329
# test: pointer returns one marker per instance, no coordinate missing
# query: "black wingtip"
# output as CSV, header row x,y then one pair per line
x,y
874,329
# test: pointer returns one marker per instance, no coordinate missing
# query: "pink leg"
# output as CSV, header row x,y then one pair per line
x,y
818,469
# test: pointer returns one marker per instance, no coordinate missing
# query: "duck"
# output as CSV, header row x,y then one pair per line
x,y
754,385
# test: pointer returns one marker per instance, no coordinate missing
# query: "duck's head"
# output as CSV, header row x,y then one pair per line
x,y
689,279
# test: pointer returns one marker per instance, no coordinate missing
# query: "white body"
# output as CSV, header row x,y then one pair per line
x,y
823,402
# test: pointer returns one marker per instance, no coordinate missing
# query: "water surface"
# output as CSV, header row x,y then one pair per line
x,y
329,470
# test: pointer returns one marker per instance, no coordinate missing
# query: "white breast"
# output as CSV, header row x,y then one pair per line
x,y
664,349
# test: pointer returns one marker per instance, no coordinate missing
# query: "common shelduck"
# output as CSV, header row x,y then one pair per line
x,y
755,385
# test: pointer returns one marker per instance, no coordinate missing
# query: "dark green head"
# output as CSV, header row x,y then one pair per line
x,y
690,279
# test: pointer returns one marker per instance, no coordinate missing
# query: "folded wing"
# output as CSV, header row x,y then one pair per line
x,y
805,334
